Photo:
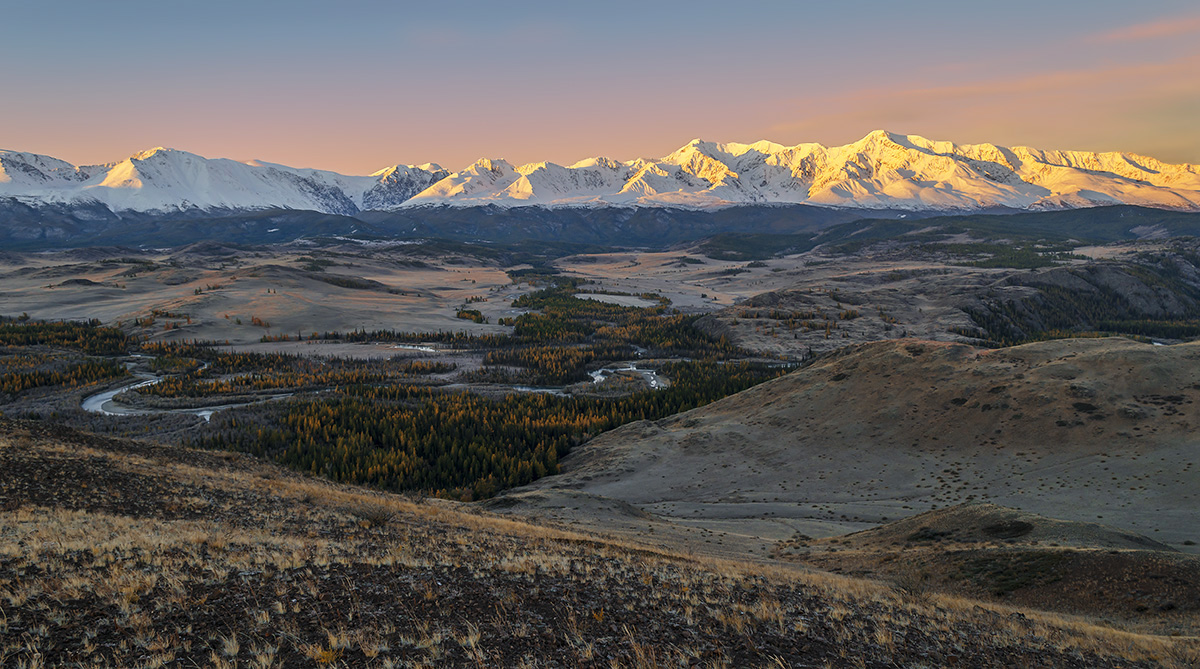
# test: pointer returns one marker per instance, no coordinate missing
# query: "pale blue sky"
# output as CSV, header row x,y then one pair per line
x,y
356,86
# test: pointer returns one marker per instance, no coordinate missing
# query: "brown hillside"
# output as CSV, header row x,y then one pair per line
x,y
115,553
1099,430
1005,555
990,524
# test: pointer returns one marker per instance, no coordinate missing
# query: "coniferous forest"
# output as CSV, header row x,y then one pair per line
x,y
408,423
458,444
520,401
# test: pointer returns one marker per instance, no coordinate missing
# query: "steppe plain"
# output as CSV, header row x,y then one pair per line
x,y
894,414
803,454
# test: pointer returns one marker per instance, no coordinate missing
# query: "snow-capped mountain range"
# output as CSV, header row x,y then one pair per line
x,y
881,171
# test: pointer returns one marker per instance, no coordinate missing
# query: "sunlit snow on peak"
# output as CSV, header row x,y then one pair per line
x,y
882,170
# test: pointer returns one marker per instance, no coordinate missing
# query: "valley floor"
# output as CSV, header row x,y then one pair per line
x,y
704,538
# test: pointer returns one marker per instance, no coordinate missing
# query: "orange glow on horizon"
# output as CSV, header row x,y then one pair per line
x,y
386,87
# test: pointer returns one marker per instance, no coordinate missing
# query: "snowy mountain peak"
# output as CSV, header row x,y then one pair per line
x,y
33,170
882,135
395,170
398,184
489,164
762,146
150,153
882,170
599,161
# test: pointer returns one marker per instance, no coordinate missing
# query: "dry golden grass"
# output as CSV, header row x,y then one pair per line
x,y
258,567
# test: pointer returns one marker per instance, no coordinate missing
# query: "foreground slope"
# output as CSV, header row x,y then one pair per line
x,y
1099,430
121,553
1005,555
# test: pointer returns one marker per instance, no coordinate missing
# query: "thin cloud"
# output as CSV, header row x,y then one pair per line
x,y
1145,108
1171,27
1142,75
1113,83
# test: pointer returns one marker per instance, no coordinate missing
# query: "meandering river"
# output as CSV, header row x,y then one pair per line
x,y
106,403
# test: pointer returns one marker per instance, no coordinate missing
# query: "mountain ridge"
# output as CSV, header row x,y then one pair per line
x,y
883,170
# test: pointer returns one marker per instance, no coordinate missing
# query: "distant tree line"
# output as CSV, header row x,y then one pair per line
x,y
83,336
461,445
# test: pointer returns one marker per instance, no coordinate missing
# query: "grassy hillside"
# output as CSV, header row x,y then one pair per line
x,y
1096,430
117,553
1022,559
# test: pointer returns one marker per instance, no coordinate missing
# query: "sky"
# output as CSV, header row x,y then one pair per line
x,y
356,86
